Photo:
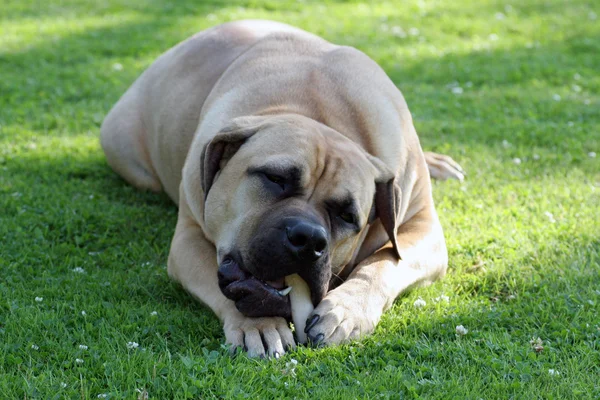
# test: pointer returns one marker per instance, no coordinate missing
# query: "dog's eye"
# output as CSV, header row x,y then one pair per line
x,y
276,179
347,217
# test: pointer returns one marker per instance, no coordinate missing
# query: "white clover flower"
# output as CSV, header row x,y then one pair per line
x,y
78,270
537,344
102,396
536,156
63,385
592,154
556,97
461,330
290,367
550,216
39,299
419,303
553,372
500,16
143,395
398,32
35,347
517,161
153,313
132,345
576,88
442,298
79,361
493,37
413,32
577,77
505,144
457,90
83,347
83,313
117,67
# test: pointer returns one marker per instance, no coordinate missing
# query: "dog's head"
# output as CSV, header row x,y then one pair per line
x,y
285,194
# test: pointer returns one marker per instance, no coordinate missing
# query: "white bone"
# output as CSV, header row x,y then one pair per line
x,y
301,304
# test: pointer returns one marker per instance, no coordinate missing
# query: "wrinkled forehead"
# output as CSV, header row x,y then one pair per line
x,y
321,159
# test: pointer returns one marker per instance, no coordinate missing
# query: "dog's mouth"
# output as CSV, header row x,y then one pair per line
x,y
279,286
233,271
253,297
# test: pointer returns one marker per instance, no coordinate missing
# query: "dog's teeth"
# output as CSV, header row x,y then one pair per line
x,y
284,292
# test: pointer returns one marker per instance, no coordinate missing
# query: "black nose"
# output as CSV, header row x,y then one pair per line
x,y
306,240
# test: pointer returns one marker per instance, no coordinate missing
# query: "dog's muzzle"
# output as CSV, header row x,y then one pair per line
x,y
255,280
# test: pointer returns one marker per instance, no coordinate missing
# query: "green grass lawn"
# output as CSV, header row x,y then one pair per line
x,y
512,92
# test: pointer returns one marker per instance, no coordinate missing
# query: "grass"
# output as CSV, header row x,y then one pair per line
x,y
524,238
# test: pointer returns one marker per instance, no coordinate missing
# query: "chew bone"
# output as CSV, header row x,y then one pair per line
x,y
301,304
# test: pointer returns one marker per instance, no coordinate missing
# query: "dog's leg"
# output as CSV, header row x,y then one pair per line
x,y
122,139
443,167
355,307
193,263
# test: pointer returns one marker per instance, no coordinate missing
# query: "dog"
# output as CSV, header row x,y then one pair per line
x,y
285,154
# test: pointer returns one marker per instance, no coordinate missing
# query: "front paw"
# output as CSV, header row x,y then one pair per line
x,y
341,317
260,337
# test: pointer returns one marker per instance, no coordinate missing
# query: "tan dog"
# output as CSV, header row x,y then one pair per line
x,y
286,154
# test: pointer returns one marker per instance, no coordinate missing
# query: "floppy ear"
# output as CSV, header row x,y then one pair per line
x,y
387,201
224,145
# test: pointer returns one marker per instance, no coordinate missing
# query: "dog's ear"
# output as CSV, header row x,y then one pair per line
x,y
387,201
224,145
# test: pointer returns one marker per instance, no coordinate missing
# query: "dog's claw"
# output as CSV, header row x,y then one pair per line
x,y
235,350
316,340
311,322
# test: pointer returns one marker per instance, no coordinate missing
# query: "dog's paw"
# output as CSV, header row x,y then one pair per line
x,y
443,167
259,337
340,318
